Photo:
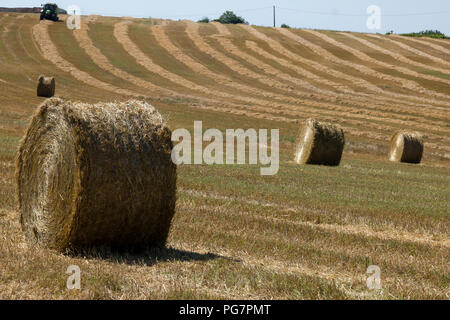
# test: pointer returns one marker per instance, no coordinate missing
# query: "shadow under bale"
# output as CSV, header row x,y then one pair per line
x,y
319,143
406,147
148,257
96,175
46,87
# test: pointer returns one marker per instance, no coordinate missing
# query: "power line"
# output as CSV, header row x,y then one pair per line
x,y
214,13
364,15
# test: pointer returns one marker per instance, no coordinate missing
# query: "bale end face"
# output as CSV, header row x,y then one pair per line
x,y
406,147
96,175
46,87
319,143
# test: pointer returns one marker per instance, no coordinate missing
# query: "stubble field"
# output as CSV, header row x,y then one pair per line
x,y
309,232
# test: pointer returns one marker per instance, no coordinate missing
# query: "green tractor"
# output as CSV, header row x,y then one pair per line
x,y
49,12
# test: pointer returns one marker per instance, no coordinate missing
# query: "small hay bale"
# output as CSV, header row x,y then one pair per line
x,y
319,143
96,175
46,87
406,147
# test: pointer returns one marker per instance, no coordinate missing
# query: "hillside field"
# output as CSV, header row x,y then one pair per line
x,y
309,232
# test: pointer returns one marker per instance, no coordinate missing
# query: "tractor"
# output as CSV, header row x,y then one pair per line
x,y
49,12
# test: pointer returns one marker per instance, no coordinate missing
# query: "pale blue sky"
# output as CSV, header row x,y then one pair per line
x,y
398,15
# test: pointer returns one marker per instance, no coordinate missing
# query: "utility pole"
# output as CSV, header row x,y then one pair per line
x,y
274,21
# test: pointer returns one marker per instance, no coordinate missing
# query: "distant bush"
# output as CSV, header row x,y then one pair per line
x,y
204,20
229,17
427,33
390,32
285,26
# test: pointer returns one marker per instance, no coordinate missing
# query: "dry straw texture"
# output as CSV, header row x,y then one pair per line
x,y
319,143
406,147
96,175
46,87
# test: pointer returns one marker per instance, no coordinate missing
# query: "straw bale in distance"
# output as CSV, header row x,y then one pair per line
x,y
96,175
319,143
406,147
46,86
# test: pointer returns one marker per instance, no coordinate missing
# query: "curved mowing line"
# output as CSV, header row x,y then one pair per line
x,y
19,66
10,52
192,32
40,65
275,45
122,30
164,42
231,63
442,44
365,99
8,46
149,64
6,43
50,52
419,52
121,34
228,45
5,82
100,60
103,62
22,44
195,66
349,111
361,111
414,50
401,58
360,68
408,84
40,32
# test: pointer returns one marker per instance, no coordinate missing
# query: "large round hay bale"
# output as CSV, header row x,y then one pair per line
x,y
46,87
96,175
406,147
319,143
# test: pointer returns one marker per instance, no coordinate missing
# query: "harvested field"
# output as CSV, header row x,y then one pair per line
x,y
309,232
50,52
404,83
437,54
401,58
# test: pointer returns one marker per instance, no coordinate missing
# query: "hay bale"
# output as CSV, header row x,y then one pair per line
x,y
406,147
319,143
46,86
96,175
